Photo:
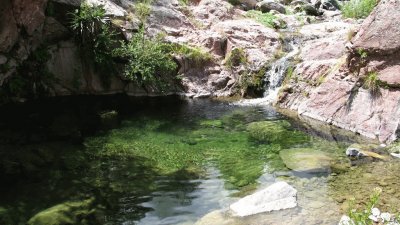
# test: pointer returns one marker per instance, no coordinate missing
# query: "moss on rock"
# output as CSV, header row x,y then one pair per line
x,y
268,131
305,159
65,213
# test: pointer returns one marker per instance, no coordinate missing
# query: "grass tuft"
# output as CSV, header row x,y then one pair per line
x,y
358,8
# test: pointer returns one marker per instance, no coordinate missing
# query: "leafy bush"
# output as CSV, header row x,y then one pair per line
x,y
94,36
143,10
358,8
149,60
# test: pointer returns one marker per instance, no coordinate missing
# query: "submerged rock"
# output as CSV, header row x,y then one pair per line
x,y
215,217
63,214
278,196
267,130
306,160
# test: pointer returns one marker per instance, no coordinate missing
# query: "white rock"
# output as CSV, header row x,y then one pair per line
x,y
373,218
345,220
375,212
385,217
277,196
395,155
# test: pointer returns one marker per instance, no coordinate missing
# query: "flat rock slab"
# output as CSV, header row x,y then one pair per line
x,y
277,196
305,160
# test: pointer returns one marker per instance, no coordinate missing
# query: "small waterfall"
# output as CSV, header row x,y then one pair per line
x,y
274,77
276,74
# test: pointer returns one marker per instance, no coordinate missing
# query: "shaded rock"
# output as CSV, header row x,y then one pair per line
x,y
277,196
63,214
54,31
8,27
305,160
268,5
329,5
248,4
30,14
299,2
311,10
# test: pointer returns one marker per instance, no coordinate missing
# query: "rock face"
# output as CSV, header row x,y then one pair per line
x,y
331,84
278,196
213,26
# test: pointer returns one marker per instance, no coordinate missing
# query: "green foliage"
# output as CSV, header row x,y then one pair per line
x,y
267,131
65,213
236,58
358,8
360,217
172,147
184,2
149,60
195,54
253,82
362,53
371,82
95,37
266,19
32,78
143,10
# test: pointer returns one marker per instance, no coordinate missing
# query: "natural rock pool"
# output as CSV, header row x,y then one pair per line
x,y
101,160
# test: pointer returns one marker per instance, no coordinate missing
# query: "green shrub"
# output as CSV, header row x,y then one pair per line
x,y
358,8
149,60
371,82
266,19
143,10
95,38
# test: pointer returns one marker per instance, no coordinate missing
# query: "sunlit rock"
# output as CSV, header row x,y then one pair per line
x,y
278,196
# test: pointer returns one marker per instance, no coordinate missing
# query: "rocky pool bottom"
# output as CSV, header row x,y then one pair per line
x,y
120,160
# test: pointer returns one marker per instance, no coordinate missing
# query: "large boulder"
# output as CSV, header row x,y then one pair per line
x,y
268,5
380,32
278,196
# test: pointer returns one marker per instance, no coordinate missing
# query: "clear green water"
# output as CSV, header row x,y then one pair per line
x,y
167,162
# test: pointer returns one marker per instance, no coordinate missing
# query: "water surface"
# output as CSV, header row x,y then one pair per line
x,y
159,161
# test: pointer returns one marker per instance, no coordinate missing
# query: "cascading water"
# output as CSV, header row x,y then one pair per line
x,y
274,76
